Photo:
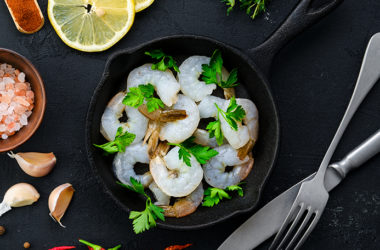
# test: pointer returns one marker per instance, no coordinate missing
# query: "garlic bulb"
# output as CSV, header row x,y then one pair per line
x,y
59,200
19,195
35,164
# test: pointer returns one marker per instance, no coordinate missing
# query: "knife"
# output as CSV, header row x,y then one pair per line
x,y
267,221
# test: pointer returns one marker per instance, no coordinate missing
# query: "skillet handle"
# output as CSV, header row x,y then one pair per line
x,y
299,19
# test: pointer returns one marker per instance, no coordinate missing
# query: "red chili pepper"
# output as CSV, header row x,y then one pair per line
x,y
178,247
62,248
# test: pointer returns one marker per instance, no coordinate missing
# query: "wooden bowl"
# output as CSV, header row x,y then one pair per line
x,y
37,85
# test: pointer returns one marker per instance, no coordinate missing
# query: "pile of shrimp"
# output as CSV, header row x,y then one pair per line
x,y
187,100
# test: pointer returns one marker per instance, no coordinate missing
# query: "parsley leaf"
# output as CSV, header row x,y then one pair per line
x,y
146,219
230,3
212,195
122,140
165,62
189,147
252,7
136,96
212,72
234,114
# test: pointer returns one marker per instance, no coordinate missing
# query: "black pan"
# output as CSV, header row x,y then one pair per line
x,y
253,66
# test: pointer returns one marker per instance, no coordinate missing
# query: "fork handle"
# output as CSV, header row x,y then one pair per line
x,y
368,76
359,155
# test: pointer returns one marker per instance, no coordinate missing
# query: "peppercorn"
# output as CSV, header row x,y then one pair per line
x,y
26,245
2,230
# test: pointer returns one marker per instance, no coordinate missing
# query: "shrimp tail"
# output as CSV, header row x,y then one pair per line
x,y
228,93
163,115
247,167
246,149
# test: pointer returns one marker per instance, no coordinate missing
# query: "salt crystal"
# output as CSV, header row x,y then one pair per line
x,y
17,126
7,80
21,77
2,128
28,113
23,120
3,66
10,109
2,85
3,106
4,136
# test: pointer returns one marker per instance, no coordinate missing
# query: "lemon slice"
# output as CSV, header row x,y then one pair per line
x,y
142,4
91,25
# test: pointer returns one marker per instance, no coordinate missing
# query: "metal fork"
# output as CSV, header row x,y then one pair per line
x,y
313,196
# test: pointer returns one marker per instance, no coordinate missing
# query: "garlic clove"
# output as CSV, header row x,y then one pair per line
x,y
35,164
19,195
59,201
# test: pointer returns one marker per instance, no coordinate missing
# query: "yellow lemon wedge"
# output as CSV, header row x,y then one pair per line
x,y
91,25
142,4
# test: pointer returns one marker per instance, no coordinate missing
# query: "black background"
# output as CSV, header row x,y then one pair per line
x,y
312,79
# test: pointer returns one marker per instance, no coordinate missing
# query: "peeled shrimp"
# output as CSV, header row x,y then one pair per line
x,y
214,170
178,131
248,131
164,82
161,198
188,78
202,137
123,164
173,176
136,124
186,205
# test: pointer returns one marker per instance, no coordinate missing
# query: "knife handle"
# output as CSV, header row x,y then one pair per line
x,y
359,155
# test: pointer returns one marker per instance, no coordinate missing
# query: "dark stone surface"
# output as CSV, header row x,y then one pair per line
x,y
312,79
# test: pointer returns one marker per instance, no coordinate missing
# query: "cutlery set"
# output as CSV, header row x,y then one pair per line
x,y
295,213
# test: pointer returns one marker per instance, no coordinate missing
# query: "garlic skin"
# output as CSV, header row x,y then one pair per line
x,y
19,195
35,164
59,201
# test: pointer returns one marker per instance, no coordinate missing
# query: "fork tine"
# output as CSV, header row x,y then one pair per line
x,y
309,229
286,222
301,228
294,224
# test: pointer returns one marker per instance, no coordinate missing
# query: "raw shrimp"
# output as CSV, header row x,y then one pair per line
x,y
136,124
245,133
202,137
178,131
186,205
173,176
188,78
161,198
214,170
164,82
124,163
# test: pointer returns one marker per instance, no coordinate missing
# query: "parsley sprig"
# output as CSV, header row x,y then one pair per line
x,y
122,140
252,7
189,147
234,114
212,72
146,219
136,96
165,62
212,195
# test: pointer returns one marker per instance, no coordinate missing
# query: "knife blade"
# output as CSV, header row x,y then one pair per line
x,y
267,221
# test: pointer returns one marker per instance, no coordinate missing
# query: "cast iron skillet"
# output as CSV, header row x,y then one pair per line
x,y
252,73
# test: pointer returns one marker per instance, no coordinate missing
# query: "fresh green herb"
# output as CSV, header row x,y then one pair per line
x,y
212,195
230,3
136,96
145,219
189,147
252,7
165,62
122,140
212,72
234,114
